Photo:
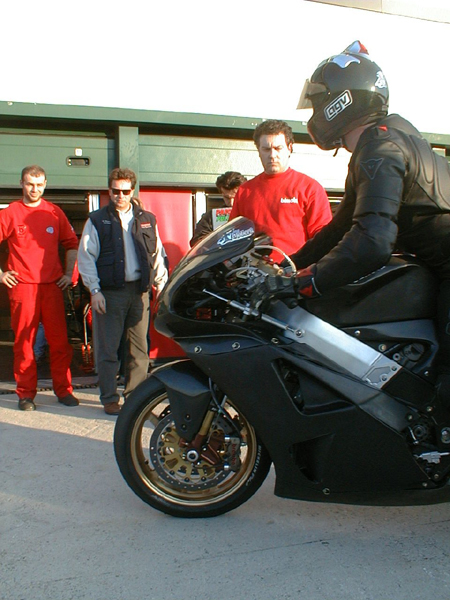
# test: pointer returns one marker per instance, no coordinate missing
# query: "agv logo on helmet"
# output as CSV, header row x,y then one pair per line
x,y
338,105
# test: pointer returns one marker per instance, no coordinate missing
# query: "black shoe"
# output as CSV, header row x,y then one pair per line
x,y
69,400
27,404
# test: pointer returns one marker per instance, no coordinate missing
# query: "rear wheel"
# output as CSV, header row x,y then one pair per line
x,y
181,479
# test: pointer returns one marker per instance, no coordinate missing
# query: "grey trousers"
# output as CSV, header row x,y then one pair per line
x,y
126,320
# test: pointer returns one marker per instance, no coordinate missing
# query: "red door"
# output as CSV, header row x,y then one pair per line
x,y
173,211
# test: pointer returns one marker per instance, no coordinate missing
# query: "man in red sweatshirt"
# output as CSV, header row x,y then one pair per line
x,y
34,229
285,204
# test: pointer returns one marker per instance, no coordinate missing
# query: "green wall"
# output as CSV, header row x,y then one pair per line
x,y
52,153
164,148
186,161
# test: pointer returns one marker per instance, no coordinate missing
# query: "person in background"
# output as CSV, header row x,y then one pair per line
x,y
397,191
40,345
34,230
289,206
120,258
228,185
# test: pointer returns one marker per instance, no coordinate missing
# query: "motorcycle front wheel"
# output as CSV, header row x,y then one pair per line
x,y
165,474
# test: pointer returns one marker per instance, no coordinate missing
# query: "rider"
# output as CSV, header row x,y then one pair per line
x,y
397,191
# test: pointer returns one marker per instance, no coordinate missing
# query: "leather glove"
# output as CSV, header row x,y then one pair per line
x,y
278,283
273,285
305,283
287,268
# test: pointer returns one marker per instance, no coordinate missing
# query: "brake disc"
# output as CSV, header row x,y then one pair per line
x,y
177,466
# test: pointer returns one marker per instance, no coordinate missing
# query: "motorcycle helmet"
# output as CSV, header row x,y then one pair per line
x,y
345,91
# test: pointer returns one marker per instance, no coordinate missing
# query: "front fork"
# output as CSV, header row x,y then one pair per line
x,y
212,445
205,429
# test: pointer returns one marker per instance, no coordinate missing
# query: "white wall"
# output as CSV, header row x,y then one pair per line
x,y
240,57
431,10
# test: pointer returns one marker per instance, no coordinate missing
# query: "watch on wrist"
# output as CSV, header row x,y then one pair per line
x,y
95,291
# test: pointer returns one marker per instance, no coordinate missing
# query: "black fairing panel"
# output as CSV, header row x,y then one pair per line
x,y
342,429
189,395
328,433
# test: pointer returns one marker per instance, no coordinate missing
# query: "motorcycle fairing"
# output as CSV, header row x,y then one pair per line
x,y
352,427
348,437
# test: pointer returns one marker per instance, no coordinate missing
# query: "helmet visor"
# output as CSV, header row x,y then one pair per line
x,y
310,89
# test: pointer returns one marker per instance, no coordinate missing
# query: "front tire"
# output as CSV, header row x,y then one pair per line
x,y
158,469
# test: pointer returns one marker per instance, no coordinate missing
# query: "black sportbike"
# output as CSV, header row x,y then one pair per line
x,y
336,392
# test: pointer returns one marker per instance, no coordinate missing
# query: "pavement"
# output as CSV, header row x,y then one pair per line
x,y
71,529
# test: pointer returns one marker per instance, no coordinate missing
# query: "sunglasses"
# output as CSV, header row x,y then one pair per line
x,y
116,192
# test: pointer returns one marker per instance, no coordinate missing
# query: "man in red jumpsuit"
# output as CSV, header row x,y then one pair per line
x,y
34,229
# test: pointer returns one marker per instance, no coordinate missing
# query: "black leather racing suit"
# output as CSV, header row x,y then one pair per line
x,y
397,197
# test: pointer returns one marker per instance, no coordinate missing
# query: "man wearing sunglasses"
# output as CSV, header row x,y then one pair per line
x,y
120,259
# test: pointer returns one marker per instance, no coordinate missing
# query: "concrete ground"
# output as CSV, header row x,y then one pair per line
x,y
70,528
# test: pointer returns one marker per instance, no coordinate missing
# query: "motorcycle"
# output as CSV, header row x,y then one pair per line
x,y
336,392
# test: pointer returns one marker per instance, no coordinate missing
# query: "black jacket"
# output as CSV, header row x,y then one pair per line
x,y
203,227
111,260
397,197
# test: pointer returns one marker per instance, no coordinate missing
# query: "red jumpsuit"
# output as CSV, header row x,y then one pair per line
x,y
33,236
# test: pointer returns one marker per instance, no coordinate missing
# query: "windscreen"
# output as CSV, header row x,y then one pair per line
x,y
229,240
234,231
